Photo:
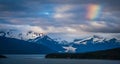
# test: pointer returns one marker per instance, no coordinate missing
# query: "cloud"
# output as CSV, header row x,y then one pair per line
x,y
66,18
48,29
62,12
100,24
21,28
100,27
61,29
64,8
63,15
65,33
12,5
70,49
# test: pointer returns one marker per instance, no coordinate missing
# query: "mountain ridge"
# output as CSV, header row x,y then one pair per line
x,y
16,46
92,43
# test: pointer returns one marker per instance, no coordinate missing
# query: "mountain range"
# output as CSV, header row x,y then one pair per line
x,y
40,43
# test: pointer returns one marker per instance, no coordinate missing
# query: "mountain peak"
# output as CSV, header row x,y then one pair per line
x,y
21,35
96,36
94,39
35,33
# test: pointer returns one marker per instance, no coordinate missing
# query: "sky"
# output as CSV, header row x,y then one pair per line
x,y
64,19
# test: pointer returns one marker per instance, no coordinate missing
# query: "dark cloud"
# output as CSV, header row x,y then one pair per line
x,y
20,4
12,5
71,13
2,21
100,27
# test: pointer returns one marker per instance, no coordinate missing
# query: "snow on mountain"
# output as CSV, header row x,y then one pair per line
x,y
91,43
82,41
16,46
33,37
21,35
95,39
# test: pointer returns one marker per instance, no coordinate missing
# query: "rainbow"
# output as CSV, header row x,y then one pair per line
x,y
93,11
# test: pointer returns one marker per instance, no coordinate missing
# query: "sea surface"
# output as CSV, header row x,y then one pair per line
x,y
40,59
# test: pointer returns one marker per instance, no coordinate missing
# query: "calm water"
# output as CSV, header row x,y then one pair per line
x,y
34,56
39,59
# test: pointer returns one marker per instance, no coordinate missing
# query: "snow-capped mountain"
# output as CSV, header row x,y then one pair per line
x,y
33,37
94,39
16,46
33,42
21,35
92,43
49,42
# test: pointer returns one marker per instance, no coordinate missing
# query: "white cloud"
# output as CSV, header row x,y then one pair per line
x,y
62,11
22,28
98,24
63,8
70,49
64,29
47,29
63,15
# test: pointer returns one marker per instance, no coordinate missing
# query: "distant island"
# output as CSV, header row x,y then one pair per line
x,y
113,54
2,56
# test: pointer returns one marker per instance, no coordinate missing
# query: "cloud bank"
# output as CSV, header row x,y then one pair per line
x,y
61,17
